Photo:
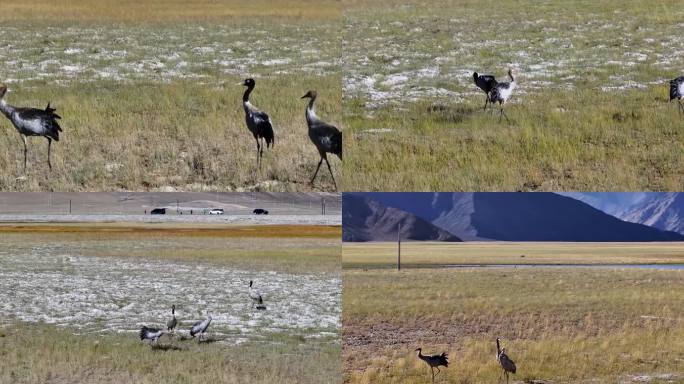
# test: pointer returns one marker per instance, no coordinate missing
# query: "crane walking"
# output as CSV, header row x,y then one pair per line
x,y
677,92
32,122
153,334
326,137
486,83
501,92
258,122
434,361
507,365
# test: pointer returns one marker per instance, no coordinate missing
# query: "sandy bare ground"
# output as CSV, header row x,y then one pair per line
x,y
186,219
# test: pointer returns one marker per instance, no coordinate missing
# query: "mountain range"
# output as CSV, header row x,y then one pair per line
x,y
365,219
494,216
662,210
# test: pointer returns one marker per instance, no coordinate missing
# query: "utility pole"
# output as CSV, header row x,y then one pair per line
x,y
399,247
70,206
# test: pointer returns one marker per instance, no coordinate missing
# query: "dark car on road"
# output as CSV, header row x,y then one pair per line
x,y
260,211
158,211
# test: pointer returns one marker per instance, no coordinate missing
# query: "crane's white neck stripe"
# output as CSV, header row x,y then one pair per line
x,y
5,107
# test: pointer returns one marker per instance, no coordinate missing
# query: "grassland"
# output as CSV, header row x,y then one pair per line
x,y
266,247
427,254
590,111
150,98
73,297
560,325
46,354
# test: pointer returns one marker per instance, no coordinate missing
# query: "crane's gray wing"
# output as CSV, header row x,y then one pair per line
x,y
264,127
40,122
329,137
674,87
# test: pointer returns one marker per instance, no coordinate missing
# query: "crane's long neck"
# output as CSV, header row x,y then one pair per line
x,y
510,74
311,111
245,97
498,348
5,108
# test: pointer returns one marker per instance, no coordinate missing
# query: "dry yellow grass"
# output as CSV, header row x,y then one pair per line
x,y
559,325
163,10
47,354
429,253
170,229
295,249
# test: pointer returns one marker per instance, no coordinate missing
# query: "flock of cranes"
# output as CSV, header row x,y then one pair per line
x,y
500,92
199,328
435,361
326,137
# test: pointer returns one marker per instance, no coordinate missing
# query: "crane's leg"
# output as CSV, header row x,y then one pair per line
x,y
23,138
503,114
433,374
257,153
331,174
49,146
316,173
506,377
438,371
680,108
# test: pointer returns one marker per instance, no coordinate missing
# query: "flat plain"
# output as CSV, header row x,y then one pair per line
x,y
80,293
150,94
590,111
565,324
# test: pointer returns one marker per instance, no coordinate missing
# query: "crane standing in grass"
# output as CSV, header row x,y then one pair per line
x,y
507,365
486,83
258,123
502,92
32,122
434,361
677,92
200,328
326,137
171,324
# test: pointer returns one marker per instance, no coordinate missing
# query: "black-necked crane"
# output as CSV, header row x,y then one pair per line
x,y
434,361
171,324
326,137
507,365
501,92
677,92
153,334
486,83
200,328
258,122
32,122
256,297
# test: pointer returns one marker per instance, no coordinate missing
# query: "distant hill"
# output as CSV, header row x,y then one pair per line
x,y
662,210
365,219
519,217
